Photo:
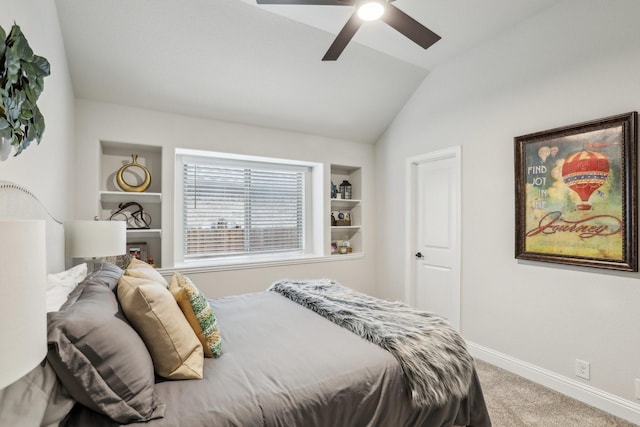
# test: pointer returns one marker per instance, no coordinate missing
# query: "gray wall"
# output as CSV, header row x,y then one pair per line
x,y
578,61
46,169
107,122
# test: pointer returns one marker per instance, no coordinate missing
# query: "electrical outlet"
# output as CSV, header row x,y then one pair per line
x,y
637,388
583,369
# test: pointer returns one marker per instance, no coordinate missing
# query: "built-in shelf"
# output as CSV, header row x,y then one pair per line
x,y
144,233
120,196
344,203
353,207
113,156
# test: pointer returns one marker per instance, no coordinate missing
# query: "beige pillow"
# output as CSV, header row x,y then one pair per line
x,y
142,270
175,349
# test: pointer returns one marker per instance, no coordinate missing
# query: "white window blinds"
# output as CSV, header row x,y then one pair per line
x,y
240,208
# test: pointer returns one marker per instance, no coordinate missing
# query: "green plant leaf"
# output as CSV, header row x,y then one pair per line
x,y
21,83
38,123
28,71
41,66
31,133
19,97
13,112
18,133
37,86
31,95
18,41
3,108
20,145
12,65
25,142
25,115
3,36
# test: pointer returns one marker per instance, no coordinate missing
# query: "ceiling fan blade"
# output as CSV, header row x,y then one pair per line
x,y
310,2
408,26
343,38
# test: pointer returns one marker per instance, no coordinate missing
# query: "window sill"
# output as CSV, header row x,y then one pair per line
x,y
209,266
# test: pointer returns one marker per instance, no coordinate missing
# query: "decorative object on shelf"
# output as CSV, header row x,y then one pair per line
x,y
341,247
21,82
23,320
334,190
137,219
346,247
345,189
342,218
94,240
133,188
121,261
333,220
138,250
576,194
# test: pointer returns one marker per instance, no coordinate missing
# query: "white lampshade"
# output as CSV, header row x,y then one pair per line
x,y
95,239
23,316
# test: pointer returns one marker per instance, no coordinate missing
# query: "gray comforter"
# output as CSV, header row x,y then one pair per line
x,y
284,365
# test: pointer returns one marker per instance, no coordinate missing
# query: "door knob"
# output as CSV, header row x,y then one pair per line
x,y
419,255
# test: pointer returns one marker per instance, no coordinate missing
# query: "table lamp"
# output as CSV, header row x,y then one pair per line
x,y
23,318
95,240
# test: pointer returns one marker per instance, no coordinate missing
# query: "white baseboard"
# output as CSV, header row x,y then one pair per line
x,y
600,399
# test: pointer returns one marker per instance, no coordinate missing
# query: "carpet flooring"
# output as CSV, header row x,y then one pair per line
x,y
516,402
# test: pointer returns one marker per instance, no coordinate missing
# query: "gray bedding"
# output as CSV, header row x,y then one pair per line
x,y
284,365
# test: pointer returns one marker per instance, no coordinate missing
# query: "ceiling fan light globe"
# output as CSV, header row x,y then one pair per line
x,y
370,11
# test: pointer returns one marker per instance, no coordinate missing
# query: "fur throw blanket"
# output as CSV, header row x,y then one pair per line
x,y
433,356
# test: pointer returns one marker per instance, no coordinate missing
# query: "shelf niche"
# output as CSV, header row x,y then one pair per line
x,y
353,232
114,155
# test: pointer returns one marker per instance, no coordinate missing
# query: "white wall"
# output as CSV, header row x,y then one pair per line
x,y
47,169
107,122
577,61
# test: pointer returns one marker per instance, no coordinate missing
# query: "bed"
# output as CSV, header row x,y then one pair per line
x,y
281,363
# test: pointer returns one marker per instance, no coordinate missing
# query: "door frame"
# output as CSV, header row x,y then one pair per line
x,y
411,177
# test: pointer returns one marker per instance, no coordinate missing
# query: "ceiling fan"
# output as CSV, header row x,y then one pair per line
x,y
368,10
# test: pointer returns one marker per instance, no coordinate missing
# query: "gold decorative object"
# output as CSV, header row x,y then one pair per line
x,y
133,188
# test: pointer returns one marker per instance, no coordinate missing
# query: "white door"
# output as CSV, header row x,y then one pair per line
x,y
435,283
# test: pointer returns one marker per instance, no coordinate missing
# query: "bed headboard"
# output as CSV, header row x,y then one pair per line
x,y
16,202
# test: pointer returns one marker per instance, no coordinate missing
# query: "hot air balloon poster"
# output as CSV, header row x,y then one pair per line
x,y
576,194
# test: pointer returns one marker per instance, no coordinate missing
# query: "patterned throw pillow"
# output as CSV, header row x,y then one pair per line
x,y
198,312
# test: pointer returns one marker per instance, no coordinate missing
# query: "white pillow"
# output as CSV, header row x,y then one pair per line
x,y
60,285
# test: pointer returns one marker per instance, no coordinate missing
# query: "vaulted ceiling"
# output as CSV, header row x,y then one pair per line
x,y
238,61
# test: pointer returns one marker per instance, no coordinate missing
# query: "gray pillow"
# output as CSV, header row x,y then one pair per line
x,y
106,274
99,358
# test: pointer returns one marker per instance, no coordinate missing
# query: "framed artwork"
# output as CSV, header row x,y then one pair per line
x,y
138,250
576,194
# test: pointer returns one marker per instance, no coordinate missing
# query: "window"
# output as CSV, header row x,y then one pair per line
x,y
241,207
